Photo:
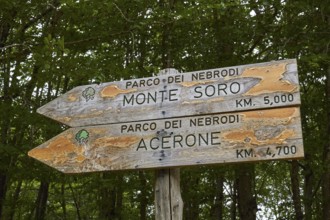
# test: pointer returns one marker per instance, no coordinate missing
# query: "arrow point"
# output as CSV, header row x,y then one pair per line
x,y
40,110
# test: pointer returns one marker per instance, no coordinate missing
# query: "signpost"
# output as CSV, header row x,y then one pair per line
x,y
241,88
198,140
227,115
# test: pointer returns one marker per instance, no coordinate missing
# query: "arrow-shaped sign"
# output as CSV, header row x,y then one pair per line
x,y
239,88
205,139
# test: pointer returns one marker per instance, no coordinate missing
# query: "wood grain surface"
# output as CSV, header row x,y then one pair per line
x,y
184,141
232,89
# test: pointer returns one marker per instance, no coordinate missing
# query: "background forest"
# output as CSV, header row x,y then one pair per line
x,y
48,47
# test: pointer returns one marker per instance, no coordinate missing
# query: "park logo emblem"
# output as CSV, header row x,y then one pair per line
x,y
88,93
82,137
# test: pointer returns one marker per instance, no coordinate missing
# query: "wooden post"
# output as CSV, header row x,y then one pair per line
x,y
168,201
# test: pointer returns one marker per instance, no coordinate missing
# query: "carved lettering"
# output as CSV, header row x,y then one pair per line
x,y
221,89
150,97
175,141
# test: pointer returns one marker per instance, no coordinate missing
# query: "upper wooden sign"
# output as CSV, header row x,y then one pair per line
x,y
205,139
239,88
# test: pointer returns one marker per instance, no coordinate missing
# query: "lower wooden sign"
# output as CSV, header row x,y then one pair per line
x,y
205,139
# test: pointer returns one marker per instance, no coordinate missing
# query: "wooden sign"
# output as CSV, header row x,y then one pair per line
x,y
205,139
232,89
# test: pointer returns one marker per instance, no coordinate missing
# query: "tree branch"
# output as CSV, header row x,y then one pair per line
x,y
51,7
122,14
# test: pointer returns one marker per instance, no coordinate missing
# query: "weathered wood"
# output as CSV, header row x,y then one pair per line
x,y
239,88
168,201
206,139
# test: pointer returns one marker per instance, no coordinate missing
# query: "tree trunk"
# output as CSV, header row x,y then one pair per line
x,y
75,201
217,208
166,43
3,189
63,200
234,201
191,207
295,189
111,199
247,204
15,199
119,196
308,189
108,204
5,125
326,157
143,196
41,202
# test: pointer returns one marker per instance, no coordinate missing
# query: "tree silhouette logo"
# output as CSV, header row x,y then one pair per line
x,y
82,136
88,93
